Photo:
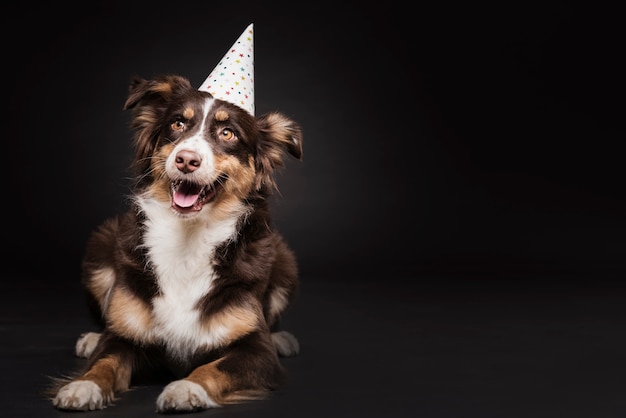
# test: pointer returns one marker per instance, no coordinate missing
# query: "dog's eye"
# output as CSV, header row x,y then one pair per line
x,y
227,135
178,126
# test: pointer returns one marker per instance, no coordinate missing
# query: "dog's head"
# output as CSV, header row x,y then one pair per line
x,y
193,150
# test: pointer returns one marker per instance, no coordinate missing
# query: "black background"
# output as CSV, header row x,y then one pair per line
x,y
437,136
460,201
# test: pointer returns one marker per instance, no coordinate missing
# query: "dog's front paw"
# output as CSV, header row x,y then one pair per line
x,y
81,395
87,343
183,395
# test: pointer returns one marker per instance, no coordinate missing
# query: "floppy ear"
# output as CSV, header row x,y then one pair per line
x,y
278,134
148,100
159,90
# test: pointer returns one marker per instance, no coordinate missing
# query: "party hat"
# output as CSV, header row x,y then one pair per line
x,y
232,79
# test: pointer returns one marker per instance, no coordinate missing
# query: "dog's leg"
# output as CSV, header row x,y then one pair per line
x,y
109,371
280,293
246,372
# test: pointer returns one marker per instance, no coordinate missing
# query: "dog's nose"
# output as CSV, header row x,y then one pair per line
x,y
187,161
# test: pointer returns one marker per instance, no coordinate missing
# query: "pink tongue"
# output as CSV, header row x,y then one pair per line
x,y
184,200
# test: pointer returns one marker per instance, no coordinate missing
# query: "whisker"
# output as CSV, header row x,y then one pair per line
x,y
171,141
151,170
221,178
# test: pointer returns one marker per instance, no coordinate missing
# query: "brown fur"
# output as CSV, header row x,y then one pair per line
x,y
246,284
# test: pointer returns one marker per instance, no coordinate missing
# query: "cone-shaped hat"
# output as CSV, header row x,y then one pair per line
x,y
232,79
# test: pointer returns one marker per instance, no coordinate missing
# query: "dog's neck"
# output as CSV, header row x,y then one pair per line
x,y
165,228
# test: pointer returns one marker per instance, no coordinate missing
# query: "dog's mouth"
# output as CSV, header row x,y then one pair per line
x,y
188,197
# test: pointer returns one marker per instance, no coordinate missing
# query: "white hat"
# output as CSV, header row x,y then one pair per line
x,y
232,79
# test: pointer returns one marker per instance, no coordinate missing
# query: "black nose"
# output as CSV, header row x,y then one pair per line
x,y
187,161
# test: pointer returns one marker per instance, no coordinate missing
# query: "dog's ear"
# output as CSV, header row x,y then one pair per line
x,y
152,92
148,100
278,134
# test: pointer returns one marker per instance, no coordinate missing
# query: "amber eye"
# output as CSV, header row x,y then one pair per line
x,y
227,135
178,126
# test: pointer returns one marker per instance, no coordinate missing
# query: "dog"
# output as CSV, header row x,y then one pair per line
x,y
193,279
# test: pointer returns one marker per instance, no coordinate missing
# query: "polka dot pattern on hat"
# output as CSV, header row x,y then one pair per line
x,y
232,79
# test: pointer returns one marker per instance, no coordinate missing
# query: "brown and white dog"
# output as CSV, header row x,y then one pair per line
x,y
193,279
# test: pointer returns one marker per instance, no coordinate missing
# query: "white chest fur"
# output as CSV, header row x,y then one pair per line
x,y
181,252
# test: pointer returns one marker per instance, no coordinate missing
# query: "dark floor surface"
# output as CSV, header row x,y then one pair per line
x,y
429,347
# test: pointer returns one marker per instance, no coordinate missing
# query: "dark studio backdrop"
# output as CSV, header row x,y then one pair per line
x,y
458,213
440,137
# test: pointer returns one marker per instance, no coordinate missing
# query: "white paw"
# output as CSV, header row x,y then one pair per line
x,y
87,343
286,344
183,395
81,395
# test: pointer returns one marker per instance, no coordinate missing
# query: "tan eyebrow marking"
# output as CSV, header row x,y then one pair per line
x,y
188,113
221,115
